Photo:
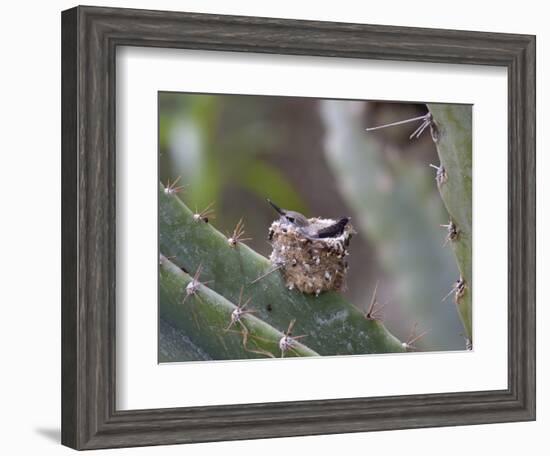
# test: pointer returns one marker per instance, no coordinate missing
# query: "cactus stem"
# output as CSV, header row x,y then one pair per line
x,y
454,148
172,188
204,215
181,235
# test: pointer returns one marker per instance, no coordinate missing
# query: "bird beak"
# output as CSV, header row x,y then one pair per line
x,y
277,208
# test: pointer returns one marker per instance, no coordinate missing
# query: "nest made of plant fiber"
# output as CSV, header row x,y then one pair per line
x,y
310,265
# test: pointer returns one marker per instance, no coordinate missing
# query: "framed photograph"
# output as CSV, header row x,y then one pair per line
x,y
280,228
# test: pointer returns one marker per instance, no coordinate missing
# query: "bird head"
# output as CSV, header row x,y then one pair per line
x,y
293,217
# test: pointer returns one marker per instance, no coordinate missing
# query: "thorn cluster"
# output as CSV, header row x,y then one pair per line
x,y
426,121
441,176
239,312
409,345
204,215
374,311
459,288
288,341
193,287
172,188
237,235
452,232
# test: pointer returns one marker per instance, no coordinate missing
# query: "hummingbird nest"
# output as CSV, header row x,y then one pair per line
x,y
311,265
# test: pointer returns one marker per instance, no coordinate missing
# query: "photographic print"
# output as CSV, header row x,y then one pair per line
x,y
297,227
297,231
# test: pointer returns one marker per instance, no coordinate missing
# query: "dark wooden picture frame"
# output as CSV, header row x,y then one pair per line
x,y
90,37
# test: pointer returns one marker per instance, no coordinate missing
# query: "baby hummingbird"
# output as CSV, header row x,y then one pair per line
x,y
293,217
305,226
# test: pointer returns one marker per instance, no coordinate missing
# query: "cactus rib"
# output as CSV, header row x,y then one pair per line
x,y
333,326
454,146
209,327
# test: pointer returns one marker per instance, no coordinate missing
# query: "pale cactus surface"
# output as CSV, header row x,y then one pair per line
x,y
453,140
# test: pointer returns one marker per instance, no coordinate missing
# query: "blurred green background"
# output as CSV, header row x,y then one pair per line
x,y
314,156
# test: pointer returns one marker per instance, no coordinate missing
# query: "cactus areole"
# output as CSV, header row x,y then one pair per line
x,y
309,264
